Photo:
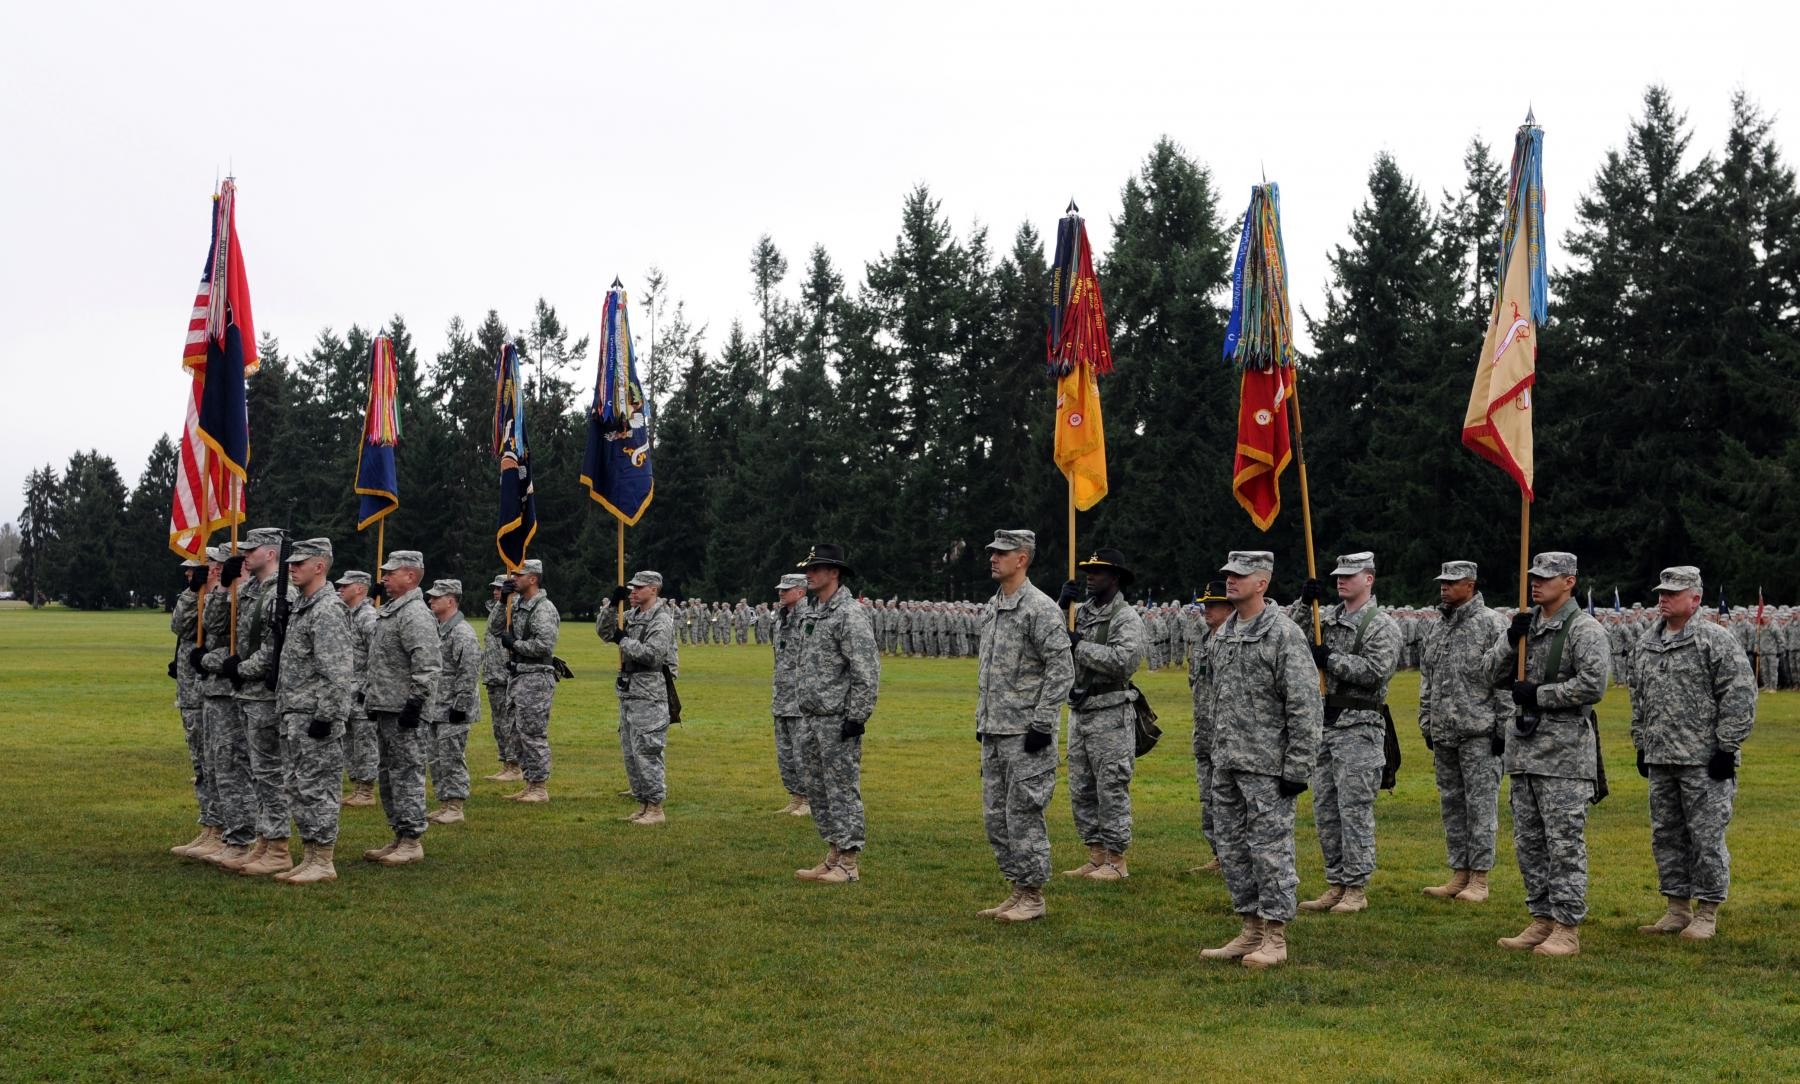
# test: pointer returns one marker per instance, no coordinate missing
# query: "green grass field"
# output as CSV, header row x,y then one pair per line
x,y
557,943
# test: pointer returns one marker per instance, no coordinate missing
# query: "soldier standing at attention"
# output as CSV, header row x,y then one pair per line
x,y
455,702
184,622
362,747
1462,716
1266,713
494,677
839,678
646,651
1107,645
1214,609
1358,658
227,744
1023,676
252,670
405,657
530,642
790,592
1693,702
1552,753
313,698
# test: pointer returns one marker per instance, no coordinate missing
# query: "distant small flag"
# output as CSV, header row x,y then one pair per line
x,y
1724,610
517,521
377,485
1590,607
616,467
1616,605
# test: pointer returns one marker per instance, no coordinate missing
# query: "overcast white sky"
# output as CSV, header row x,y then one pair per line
x,y
440,159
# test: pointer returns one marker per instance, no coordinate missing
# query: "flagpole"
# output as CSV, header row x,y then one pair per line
x,y
620,524
1071,546
1312,564
234,594
199,614
380,540
1524,572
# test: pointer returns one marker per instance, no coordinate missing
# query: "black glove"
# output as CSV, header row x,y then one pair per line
x,y
1071,591
318,729
507,639
361,701
620,594
195,656
171,667
1288,788
1037,740
1526,725
273,677
1497,743
377,594
852,728
1643,768
458,716
1722,766
1525,694
616,636
1074,638
507,588
1428,745
1321,656
234,567
409,715
229,668
1520,627
1311,591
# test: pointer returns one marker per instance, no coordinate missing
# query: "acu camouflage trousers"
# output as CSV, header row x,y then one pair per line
x,y
787,754
643,737
1468,782
1689,812
1345,779
362,748
228,764
268,766
311,785
506,744
402,775
528,699
1254,829
193,728
832,768
1102,757
446,753
1550,836
1016,787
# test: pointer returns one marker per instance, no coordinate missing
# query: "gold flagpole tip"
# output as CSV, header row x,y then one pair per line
x,y
1530,116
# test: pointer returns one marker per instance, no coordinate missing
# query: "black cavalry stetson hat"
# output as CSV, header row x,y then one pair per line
x,y
827,553
1108,558
1215,592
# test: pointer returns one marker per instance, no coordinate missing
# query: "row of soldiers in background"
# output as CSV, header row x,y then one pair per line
x,y
1770,641
312,682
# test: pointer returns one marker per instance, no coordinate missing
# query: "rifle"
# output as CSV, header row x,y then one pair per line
x,y
278,632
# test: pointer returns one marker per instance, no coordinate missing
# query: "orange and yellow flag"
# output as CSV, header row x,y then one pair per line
x,y
1080,352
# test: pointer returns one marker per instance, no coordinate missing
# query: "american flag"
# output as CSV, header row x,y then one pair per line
x,y
209,494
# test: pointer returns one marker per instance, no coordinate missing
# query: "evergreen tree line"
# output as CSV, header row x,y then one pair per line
x,y
909,414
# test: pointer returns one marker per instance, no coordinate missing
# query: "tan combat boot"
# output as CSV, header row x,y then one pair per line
x,y
1457,882
642,808
534,794
212,841
1029,908
1333,893
306,859
499,776
1704,924
363,795
512,774
243,856
1273,949
1211,866
818,871
1531,936
653,814
1674,920
804,809
1006,904
451,812
1112,867
1563,941
1477,890
275,858
1354,900
843,871
376,854
1095,851
181,849
317,871
1246,942
405,853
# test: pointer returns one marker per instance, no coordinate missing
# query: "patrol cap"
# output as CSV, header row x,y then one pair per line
x,y
645,578
1457,570
500,581
403,559
1349,564
1552,563
191,563
1007,541
1680,578
353,576
260,537
790,581
218,555
1244,562
440,588
1214,593
308,548
533,567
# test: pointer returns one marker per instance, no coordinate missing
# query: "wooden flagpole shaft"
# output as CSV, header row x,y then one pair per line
x,y
200,613
1312,561
234,595
1524,572
380,541
1071,546
620,524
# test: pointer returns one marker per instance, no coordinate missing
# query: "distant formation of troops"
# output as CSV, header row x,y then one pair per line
x,y
1284,700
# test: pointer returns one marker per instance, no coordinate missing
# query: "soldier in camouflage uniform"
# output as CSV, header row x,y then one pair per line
x,y
251,668
362,746
1462,716
530,643
1214,609
227,744
494,678
1107,646
1552,752
190,701
313,699
455,702
1025,673
646,650
838,681
1693,702
1358,659
1266,712
784,701
405,656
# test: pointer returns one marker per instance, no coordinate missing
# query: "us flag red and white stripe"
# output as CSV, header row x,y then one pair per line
x,y
209,476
